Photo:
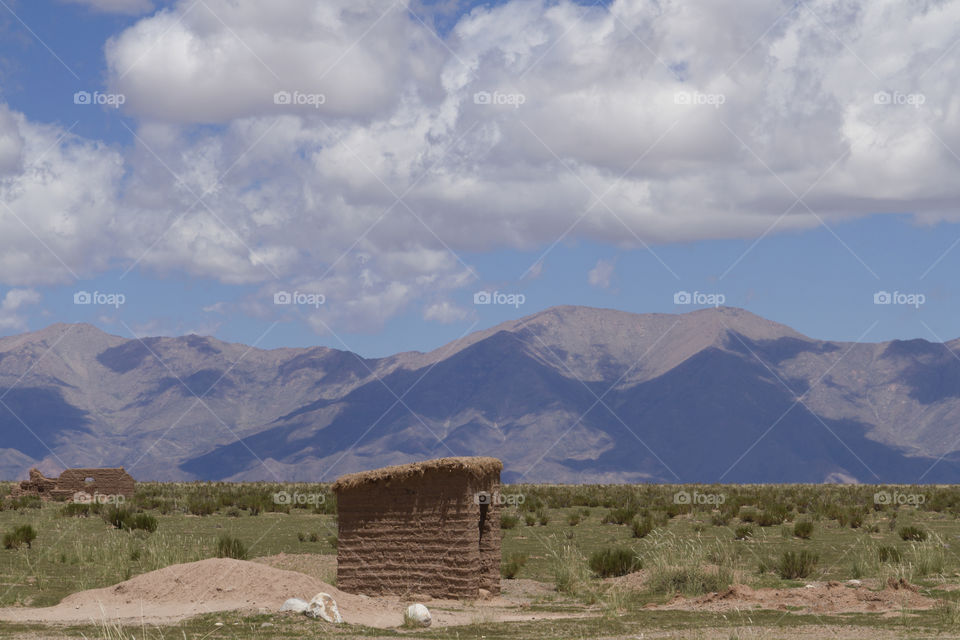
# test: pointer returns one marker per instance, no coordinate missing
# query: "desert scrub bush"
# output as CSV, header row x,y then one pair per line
x,y
748,514
743,532
770,517
230,547
143,522
621,515
512,566
200,506
721,519
913,533
803,529
530,519
796,564
333,541
573,519
22,535
543,518
641,526
614,561
690,567
508,521
568,566
75,510
928,558
889,553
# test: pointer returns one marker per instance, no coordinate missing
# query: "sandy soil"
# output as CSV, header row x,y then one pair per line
x,y
180,591
816,597
221,584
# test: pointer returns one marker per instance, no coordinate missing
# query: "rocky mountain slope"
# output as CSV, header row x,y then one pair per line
x,y
570,394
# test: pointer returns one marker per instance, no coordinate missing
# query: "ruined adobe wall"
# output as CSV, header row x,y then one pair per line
x,y
37,485
110,482
418,535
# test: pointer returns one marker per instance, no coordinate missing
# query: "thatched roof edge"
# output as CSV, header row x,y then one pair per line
x,y
475,466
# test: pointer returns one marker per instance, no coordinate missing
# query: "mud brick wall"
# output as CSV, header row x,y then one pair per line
x,y
103,481
110,482
490,543
37,485
419,535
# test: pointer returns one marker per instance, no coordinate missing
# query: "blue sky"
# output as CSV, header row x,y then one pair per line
x,y
635,154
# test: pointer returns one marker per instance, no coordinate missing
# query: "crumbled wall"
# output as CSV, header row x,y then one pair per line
x,y
108,482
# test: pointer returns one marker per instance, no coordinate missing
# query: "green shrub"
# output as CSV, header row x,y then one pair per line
x,y
721,519
622,515
314,537
803,529
612,562
508,521
691,580
543,518
333,541
530,519
889,553
22,535
573,519
511,567
640,527
75,510
199,506
118,517
913,533
743,532
796,564
770,517
230,547
143,521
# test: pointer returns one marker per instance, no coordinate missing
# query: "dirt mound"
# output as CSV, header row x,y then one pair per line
x,y
220,584
818,597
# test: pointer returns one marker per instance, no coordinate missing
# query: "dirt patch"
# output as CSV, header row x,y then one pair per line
x,y
321,567
181,591
817,597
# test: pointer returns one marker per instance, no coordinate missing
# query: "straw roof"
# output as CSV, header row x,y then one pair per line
x,y
477,467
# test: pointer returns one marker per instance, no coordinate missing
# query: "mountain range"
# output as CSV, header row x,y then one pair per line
x,y
569,394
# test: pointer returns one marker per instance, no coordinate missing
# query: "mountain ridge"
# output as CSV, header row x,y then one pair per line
x,y
566,394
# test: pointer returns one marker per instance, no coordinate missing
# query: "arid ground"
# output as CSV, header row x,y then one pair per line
x,y
641,561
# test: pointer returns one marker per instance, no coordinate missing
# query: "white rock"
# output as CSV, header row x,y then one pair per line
x,y
419,615
295,604
323,606
854,583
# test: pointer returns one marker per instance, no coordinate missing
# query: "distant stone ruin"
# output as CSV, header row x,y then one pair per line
x,y
104,482
428,528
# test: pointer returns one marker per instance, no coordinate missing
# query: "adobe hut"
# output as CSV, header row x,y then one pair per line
x,y
425,528
106,482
